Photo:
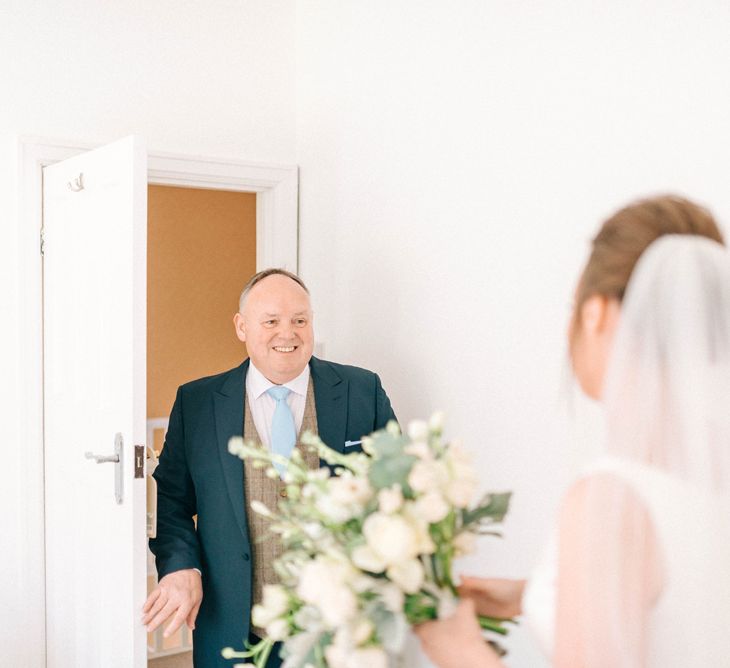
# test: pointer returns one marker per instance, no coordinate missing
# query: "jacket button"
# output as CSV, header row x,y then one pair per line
x,y
245,556
283,494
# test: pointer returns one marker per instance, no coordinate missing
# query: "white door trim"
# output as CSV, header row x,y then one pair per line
x,y
21,163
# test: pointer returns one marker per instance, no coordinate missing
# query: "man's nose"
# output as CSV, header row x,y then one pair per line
x,y
286,330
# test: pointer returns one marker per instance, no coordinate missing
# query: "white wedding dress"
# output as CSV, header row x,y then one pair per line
x,y
690,623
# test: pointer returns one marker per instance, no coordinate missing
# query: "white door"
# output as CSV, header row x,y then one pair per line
x,y
94,311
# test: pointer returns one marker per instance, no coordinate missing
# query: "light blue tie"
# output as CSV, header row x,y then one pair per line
x,y
283,430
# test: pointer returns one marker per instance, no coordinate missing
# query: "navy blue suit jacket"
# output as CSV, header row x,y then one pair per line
x,y
198,476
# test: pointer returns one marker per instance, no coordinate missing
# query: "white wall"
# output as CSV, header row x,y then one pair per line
x,y
213,78
455,159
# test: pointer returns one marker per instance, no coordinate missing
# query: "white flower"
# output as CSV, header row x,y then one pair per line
x,y
393,428
278,629
436,421
275,599
260,508
424,543
349,490
465,543
260,616
392,597
336,656
313,530
408,575
361,631
460,492
420,450
391,538
432,507
306,617
368,657
418,430
324,584
332,510
364,557
390,499
427,475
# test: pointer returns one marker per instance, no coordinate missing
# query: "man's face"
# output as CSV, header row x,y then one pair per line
x,y
276,325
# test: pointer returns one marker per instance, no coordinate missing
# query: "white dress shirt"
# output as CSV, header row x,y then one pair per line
x,y
262,405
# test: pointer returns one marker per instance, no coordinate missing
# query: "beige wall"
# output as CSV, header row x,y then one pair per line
x,y
201,251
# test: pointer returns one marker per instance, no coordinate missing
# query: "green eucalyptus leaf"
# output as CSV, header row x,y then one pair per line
x,y
493,507
390,471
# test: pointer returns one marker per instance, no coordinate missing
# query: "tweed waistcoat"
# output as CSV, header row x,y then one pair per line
x,y
266,546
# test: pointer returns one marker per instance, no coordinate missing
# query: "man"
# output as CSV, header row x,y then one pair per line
x,y
212,572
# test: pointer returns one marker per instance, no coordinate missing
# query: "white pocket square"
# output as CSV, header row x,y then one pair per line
x,y
351,444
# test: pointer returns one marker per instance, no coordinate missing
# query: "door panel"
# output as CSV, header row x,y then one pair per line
x,y
94,310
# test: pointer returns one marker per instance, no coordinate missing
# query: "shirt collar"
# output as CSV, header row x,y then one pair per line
x,y
257,383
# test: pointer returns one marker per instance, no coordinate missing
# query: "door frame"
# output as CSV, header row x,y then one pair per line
x,y
21,191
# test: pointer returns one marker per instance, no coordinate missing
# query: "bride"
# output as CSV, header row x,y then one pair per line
x,y
638,571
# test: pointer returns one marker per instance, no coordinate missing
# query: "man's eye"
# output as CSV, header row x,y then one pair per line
x,y
270,322
301,322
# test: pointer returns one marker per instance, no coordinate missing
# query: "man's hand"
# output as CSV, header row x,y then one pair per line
x,y
179,593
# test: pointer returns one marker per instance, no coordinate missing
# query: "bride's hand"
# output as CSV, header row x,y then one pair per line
x,y
494,597
457,642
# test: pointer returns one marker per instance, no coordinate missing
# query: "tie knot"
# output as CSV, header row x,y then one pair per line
x,y
279,392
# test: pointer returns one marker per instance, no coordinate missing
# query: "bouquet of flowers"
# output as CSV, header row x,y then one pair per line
x,y
368,545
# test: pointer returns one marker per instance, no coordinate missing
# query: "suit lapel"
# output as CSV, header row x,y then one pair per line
x,y
228,402
330,398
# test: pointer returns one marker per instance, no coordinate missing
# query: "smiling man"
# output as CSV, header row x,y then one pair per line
x,y
212,572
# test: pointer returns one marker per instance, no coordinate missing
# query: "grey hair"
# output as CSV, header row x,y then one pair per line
x,y
260,276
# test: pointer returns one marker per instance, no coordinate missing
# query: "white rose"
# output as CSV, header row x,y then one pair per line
x,y
323,583
391,538
465,543
338,604
367,559
417,430
278,629
390,500
427,475
276,600
460,492
407,575
432,507
368,657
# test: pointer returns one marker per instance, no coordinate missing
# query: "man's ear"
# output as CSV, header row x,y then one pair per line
x,y
240,327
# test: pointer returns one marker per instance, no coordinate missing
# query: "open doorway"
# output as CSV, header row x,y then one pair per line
x,y
201,249
62,502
